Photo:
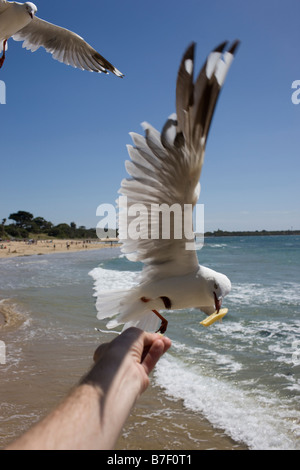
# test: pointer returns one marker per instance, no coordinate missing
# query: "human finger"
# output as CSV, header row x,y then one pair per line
x,y
153,353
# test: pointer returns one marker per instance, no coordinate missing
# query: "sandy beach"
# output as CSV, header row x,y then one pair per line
x,y
9,249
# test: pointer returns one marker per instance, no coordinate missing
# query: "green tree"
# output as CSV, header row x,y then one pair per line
x,y
2,226
41,225
23,219
61,231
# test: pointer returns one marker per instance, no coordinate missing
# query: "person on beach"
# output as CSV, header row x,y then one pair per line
x,y
92,416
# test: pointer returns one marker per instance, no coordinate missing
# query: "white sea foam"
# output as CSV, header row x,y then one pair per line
x,y
262,294
260,421
109,279
216,245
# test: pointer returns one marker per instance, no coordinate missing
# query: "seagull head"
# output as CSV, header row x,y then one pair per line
x,y
221,286
217,286
30,8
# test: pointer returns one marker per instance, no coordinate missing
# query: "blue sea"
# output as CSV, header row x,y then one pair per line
x,y
241,375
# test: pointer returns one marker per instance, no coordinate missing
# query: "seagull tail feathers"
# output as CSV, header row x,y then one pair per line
x,y
125,307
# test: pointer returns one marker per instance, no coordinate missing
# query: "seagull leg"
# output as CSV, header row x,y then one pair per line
x,y
164,323
2,59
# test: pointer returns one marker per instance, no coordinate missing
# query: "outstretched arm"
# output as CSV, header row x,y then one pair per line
x,y
93,414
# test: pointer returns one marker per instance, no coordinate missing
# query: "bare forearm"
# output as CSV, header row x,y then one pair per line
x,y
86,419
93,414
77,417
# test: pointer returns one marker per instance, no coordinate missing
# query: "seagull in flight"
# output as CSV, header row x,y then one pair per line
x,y
165,169
18,20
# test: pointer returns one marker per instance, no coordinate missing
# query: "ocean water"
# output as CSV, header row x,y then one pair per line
x,y
241,374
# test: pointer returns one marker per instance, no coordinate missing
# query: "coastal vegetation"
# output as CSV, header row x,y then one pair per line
x,y
25,226
250,233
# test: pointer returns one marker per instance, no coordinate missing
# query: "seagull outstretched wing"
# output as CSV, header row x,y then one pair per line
x,y
64,45
165,170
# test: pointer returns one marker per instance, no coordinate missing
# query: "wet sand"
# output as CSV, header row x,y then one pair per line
x,y
159,423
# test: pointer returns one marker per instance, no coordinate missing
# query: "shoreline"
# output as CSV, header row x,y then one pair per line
x,y
159,422
12,249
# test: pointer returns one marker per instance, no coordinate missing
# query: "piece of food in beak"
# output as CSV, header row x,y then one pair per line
x,y
214,317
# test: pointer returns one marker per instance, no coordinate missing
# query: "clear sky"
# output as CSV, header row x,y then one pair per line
x,y
63,131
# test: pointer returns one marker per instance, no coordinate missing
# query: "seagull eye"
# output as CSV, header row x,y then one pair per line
x,y
216,286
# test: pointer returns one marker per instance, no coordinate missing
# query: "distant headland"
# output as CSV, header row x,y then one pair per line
x,y
251,233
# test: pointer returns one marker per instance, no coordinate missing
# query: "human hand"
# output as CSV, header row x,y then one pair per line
x,y
121,374
93,415
136,351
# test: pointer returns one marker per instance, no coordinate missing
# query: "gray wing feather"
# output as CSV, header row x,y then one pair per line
x,y
64,45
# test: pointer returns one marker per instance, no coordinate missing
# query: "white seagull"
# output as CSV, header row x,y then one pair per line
x,y
18,20
165,169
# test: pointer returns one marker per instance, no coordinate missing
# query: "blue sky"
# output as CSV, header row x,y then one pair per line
x,y
64,132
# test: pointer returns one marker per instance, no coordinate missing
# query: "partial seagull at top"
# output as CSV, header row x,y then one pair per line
x,y
165,170
18,20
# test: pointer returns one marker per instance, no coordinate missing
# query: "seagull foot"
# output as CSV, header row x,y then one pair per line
x,y
164,323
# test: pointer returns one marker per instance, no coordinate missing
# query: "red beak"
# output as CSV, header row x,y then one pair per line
x,y
218,303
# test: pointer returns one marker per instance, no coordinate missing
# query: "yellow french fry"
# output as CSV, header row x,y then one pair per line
x,y
214,317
